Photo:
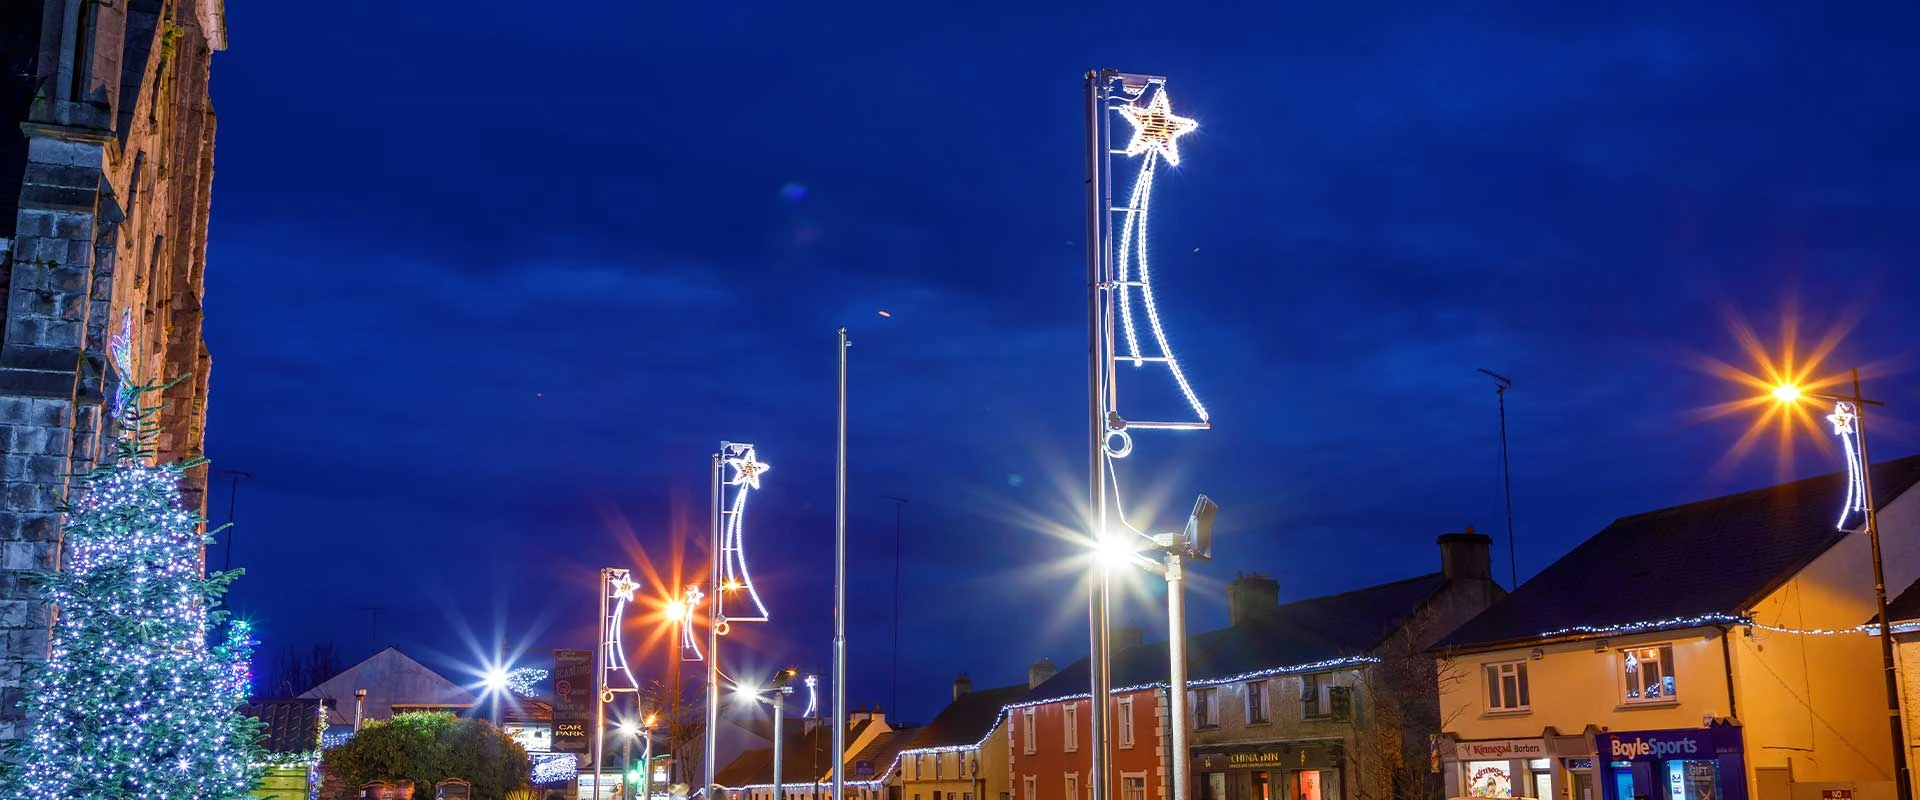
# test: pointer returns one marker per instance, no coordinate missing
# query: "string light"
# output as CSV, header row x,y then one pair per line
x,y
550,768
1845,419
620,588
813,695
132,699
525,680
1156,130
747,469
1714,620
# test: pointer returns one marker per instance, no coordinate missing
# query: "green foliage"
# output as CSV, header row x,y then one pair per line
x,y
427,748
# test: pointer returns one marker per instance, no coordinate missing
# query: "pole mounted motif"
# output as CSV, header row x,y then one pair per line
x,y
1846,425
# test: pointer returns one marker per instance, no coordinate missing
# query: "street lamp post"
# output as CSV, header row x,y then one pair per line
x,y
1849,418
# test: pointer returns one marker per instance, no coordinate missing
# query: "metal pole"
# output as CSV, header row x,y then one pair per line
x,y
626,766
600,684
1506,473
1096,408
646,765
1177,672
716,616
840,587
779,714
1902,783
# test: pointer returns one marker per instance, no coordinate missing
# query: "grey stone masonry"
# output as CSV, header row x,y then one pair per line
x,y
113,206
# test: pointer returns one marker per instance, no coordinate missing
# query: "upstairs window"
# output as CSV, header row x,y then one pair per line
x,y
1507,687
1206,711
1256,702
1070,738
1315,696
1649,673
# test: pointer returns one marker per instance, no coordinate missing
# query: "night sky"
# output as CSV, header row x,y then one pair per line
x,y
489,281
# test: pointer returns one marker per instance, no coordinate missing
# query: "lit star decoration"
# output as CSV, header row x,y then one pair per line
x,y
133,701
689,644
1156,128
120,349
624,587
747,469
813,696
619,586
1845,419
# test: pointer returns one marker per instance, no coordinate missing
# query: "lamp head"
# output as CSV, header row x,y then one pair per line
x,y
1786,393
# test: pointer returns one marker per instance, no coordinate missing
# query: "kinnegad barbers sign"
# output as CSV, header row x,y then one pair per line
x,y
1500,749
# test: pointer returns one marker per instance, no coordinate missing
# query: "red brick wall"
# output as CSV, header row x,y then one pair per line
x,y
1050,762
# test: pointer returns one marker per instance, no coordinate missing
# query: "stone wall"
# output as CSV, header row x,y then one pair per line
x,y
111,225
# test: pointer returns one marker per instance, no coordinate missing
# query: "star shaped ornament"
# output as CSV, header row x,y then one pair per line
x,y
1842,419
623,588
747,469
1156,127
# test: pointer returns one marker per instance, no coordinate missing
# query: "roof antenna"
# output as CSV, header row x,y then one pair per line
x,y
1501,384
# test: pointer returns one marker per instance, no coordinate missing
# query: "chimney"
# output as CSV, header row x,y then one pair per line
x,y
879,715
1121,637
961,686
1040,672
1251,596
1466,556
857,716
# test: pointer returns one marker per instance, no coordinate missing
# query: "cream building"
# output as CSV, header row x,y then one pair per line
x,y
1712,651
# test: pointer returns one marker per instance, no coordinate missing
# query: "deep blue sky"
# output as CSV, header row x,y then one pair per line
x,y
489,280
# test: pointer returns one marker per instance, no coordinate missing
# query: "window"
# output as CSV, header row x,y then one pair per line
x,y
1649,673
1507,687
973,766
1071,734
1314,702
1030,786
1256,702
938,763
1126,721
1133,787
1073,786
1206,714
1026,736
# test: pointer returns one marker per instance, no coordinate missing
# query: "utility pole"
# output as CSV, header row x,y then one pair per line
x,y
1501,384
373,631
899,504
233,494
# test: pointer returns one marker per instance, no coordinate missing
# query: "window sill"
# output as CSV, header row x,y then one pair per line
x,y
1661,703
1211,726
1507,712
1260,723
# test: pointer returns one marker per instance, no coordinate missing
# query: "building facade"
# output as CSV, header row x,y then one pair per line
x,y
106,167
962,754
1712,651
807,761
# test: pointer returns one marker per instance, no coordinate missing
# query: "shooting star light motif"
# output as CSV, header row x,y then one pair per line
x,y
1846,425
1156,134
813,696
747,469
689,644
620,588
120,349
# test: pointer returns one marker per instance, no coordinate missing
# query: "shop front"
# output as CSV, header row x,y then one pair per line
x,y
1308,770
1678,764
1504,768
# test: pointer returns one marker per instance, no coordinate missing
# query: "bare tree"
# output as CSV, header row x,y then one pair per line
x,y
684,720
1398,717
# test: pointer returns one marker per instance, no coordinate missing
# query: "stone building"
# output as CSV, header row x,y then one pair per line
x,y
106,163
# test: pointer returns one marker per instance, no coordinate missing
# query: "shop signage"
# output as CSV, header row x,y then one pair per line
x,y
1836,794
572,699
1656,745
1244,759
1500,749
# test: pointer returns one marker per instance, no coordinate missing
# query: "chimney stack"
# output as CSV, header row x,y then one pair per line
x,y
1251,597
961,686
857,716
1040,672
1122,637
1466,556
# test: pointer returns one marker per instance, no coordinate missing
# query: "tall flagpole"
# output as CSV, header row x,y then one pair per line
x,y
716,617
840,586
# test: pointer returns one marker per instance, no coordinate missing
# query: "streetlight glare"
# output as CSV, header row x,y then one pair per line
x,y
1786,393
496,679
675,611
1113,551
627,728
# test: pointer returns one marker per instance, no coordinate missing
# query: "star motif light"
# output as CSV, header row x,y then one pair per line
x,y
1845,419
623,588
1156,128
747,469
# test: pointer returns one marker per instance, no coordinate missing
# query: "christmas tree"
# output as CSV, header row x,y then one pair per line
x,y
132,702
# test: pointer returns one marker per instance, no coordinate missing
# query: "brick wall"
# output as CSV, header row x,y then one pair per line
x,y
113,198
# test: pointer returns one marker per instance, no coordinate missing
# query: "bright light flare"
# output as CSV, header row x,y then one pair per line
x,y
627,727
496,679
674,610
1776,388
1786,393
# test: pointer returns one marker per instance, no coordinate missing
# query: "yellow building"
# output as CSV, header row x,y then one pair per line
x,y
962,753
1712,651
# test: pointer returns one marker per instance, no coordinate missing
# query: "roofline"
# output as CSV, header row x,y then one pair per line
x,y
1720,622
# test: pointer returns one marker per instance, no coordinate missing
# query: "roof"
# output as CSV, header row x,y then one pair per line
x,y
391,678
873,761
1903,608
968,719
1302,634
292,727
1716,557
807,755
